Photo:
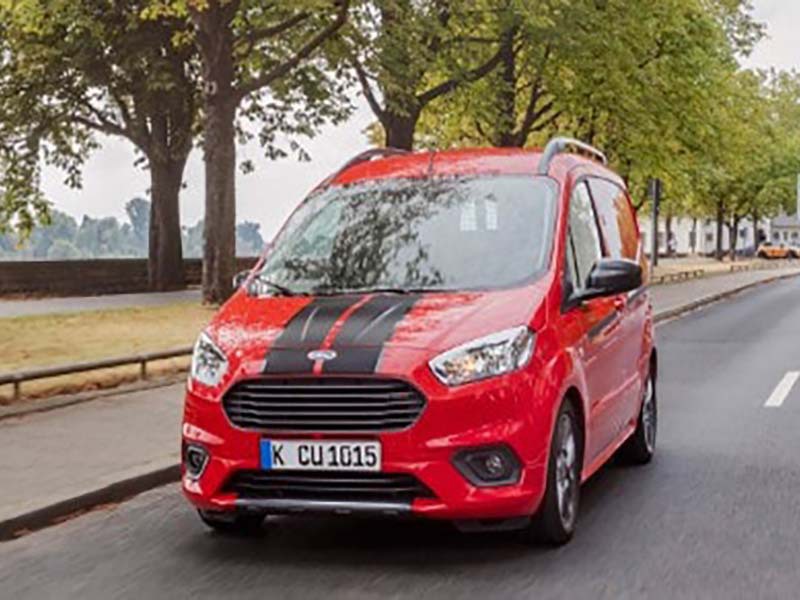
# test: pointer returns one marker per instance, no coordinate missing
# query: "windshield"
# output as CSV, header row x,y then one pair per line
x,y
404,234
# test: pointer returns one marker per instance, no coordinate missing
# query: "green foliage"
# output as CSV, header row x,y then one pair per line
x,y
656,85
70,69
287,98
407,54
765,155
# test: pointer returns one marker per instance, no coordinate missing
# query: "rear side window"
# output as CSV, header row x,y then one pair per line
x,y
615,215
583,249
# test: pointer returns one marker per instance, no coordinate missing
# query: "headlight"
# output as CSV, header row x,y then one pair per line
x,y
489,356
209,363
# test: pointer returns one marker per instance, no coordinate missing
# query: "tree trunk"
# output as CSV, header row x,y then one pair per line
x,y
694,235
165,256
668,233
505,135
219,230
720,253
756,232
734,237
221,101
400,129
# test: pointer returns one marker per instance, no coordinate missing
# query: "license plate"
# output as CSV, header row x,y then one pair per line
x,y
320,455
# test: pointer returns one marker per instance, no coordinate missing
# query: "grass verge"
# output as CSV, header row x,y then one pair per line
x,y
50,340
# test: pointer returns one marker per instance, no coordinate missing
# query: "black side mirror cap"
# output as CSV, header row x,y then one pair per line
x,y
612,276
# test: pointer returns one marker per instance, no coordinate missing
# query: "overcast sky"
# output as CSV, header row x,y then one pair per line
x,y
269,194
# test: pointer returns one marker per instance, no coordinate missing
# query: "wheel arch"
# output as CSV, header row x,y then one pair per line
x,y
654,362
574,397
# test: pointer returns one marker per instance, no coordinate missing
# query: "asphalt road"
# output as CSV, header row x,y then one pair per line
x,y
717,514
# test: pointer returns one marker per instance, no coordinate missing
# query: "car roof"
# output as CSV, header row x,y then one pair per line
x,y
467,161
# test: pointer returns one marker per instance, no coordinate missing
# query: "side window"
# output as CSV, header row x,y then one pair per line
x,y
583,240
616,219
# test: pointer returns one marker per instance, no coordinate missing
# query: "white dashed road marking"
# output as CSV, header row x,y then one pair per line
x,y
782,390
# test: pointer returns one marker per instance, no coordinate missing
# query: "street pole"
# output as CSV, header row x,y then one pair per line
x,y
798,197
654,190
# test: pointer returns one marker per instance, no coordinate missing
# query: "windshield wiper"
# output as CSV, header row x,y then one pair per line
x,y
375,290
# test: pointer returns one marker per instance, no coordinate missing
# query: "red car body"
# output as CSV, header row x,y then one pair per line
x,y
597,353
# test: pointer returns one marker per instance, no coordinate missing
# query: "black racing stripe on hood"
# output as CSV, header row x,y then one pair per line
x,y
304,332
360,342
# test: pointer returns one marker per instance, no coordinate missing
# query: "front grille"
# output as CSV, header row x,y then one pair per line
x,y
323,404
330,486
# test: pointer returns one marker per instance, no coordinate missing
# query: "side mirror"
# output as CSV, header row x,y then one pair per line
x,y
611,276
240,278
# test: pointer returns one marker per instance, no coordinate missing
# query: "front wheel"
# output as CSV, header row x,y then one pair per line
x,y
641,446
554,523
233,524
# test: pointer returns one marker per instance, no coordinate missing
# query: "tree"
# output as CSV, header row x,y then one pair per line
x,y
138,211
260,61
99,237
765,149
193,239
522,95
407,54
61,227
248,239
641,80
63,250
6,244
73,69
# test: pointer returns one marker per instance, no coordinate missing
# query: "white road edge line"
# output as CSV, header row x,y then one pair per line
x,y
782,390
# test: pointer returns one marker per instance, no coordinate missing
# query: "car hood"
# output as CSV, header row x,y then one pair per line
x,y
352,334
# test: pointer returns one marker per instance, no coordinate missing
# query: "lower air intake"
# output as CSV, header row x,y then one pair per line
x,y
327,486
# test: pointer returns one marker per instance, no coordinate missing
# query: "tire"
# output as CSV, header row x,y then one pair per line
x,y
233,524
554,522
641,446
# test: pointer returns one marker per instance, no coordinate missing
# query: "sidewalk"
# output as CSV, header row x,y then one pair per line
x,y
711,266
54,462
57,462
46,306
678,297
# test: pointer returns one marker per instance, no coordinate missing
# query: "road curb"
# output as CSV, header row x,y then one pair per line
x,y
116,492
40,405
673,313
42,517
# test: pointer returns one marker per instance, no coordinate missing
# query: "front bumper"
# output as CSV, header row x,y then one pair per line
x,y
514,410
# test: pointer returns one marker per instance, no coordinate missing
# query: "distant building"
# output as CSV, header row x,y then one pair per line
x,y
699,236
786,230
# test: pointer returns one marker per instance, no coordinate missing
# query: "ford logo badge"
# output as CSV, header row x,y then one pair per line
x,y
321,355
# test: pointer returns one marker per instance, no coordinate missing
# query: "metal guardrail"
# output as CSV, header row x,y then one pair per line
x,y
20,377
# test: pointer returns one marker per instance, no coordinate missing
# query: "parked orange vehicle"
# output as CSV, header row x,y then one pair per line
x,y
770,250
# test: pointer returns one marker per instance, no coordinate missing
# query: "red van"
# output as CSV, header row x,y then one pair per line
x,y
461,335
